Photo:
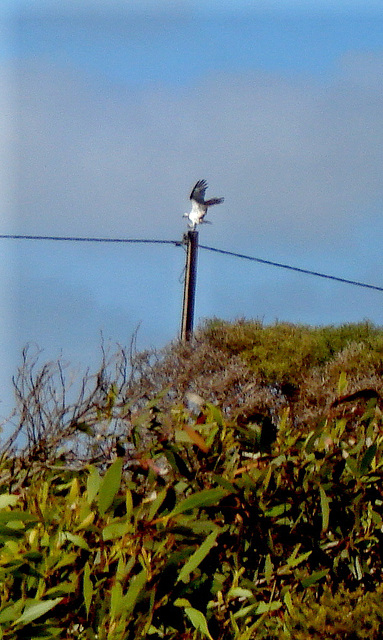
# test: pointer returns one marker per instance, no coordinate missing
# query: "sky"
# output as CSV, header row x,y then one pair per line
x,y
110,111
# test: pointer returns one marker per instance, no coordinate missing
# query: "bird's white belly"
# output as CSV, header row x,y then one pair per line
x,y
195,216
197,213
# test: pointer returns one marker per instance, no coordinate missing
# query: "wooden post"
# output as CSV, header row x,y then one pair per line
x,y
189,287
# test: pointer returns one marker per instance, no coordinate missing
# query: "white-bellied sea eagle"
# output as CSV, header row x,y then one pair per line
x,y
200,205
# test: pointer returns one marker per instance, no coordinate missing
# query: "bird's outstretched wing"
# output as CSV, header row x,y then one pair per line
x,y
209,203
198,193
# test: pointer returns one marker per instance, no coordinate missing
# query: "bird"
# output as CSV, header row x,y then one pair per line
x,y
200,205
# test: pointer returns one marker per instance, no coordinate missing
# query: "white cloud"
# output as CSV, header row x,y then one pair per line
x,y
297,161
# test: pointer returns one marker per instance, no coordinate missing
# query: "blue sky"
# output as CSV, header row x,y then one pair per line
x,y
109,114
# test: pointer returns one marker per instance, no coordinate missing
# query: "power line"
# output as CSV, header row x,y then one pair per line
x,y
291,268
86,239
178,243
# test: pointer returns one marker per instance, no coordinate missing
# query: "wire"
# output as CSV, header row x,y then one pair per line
x,y
84,239
181,243
287,266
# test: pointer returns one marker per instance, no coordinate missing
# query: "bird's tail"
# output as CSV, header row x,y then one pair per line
x,y
209,203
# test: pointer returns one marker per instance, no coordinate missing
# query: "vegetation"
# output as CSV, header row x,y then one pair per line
x,y
229,489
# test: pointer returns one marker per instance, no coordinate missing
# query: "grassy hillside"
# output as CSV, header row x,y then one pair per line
x,y
228,488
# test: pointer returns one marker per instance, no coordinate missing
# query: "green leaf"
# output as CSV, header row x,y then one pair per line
x,y
93,484
87,588
325,502
265,607
176,461
11,612
66,560
7,533
268,568
352,465
116,600
197,557
129,504
278,510
157,502
181,602
239,592
36,610
288,602
342,383
115,530
198,621
367,459
75,539
245,611
110,484
61,589
293,561
313,578
225,484
16,514
204,498
137,583
35,556
8,500
121,572
216,414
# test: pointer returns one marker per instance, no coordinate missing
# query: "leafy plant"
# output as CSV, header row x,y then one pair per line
x,y
210,522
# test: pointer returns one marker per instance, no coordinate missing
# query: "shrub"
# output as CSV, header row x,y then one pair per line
x,y
209,491
200,534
